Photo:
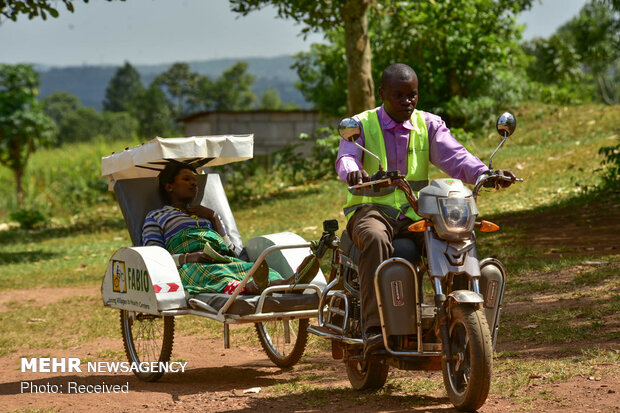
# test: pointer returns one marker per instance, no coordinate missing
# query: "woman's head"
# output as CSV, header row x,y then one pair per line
x,y
177,183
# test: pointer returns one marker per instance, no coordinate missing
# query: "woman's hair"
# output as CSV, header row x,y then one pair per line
x,y
167,175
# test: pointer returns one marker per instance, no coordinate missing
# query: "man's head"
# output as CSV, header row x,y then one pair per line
x,y
399,91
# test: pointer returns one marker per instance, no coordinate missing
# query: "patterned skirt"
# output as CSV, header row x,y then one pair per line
x,y
221,277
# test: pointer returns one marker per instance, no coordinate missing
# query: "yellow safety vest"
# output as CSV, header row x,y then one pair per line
x,y
391,200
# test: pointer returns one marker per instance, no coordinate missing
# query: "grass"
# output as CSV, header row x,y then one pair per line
x,y
512,375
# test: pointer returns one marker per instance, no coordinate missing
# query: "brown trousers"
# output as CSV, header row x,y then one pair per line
x,y
372,233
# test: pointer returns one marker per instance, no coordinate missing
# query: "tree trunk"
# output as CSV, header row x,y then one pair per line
x,y
19,172
360,85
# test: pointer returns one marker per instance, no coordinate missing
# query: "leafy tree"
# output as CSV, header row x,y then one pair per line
x,y
153,113
12,9
233,89
462,50
23,125
322,74
595,36
553,61
270,100
123,89
60,104
181,84
203,95
119,125
325,15
80,126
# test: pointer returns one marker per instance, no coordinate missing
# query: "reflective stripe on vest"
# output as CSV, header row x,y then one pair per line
x,y
391,201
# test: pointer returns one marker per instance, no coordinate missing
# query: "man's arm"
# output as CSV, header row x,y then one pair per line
x,y
448,154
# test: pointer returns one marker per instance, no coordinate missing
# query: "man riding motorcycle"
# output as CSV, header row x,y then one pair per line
x,y
407,140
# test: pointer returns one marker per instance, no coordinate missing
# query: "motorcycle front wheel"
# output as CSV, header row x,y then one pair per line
x,y
367,374
467,377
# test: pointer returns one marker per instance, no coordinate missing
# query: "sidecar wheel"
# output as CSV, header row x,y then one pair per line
x,y
147,338
284,341
467,377
367,375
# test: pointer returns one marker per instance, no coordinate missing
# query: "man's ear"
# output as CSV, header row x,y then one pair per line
x,y
381,92
168,187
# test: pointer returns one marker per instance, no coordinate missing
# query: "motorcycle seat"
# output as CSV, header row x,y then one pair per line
x,y
403,248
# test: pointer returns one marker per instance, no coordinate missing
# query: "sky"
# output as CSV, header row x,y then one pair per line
x,y
165,31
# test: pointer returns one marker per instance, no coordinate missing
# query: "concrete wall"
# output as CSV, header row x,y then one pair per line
x,y
272,130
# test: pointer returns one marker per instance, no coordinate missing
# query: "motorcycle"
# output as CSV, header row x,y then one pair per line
x,y
457,332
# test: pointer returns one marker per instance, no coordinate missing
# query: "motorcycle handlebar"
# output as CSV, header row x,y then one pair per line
x,y
391,178
493,175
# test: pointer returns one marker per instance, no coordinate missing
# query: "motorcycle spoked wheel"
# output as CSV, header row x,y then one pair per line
x,y
467,377
147,338
367,374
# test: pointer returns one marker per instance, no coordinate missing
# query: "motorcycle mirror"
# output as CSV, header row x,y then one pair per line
x,y
349,129
506,124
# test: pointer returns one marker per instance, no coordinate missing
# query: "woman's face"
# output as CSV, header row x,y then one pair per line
x,y
183,188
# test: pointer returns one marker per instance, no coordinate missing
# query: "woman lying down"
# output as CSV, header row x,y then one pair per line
x,y
185,230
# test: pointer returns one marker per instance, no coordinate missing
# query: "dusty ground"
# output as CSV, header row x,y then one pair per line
x,y
217,379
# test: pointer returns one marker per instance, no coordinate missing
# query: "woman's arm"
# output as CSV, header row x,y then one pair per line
x,y
209,214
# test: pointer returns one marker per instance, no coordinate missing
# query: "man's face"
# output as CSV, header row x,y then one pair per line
x,y
400,98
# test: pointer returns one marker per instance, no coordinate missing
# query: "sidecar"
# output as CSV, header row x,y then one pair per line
x,y
144,283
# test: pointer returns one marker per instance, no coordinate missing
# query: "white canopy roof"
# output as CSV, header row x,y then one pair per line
x,y
149,158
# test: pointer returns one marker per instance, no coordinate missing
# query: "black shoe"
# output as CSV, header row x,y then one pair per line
x,y
373,342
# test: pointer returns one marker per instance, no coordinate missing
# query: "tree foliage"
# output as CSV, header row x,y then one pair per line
x,y
270,100
180,83
24,127
153,113
325,15
466,54
13,9
59,105
233,89
123,89
595,36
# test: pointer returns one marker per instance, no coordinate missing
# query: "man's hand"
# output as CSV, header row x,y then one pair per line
x,y
501,178
357,177
506,178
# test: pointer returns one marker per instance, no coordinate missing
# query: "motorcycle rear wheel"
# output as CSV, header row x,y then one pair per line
x,y
367,375
467,377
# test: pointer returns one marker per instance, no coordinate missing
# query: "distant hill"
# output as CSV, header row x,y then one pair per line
x,y
89,82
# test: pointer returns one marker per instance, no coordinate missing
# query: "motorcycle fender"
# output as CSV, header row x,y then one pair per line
x,y
466,296
143,279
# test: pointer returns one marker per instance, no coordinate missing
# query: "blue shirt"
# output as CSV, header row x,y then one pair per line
x,y
161,224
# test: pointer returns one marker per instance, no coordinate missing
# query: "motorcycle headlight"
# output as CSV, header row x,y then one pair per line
x,y
456,214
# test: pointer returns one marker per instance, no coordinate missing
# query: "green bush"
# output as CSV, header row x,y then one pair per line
x,y
287,167
28,218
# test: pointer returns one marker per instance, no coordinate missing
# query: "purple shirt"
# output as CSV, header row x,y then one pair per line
x,y
445,152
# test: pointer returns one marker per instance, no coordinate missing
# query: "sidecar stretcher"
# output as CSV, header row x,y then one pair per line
x,y
144,283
